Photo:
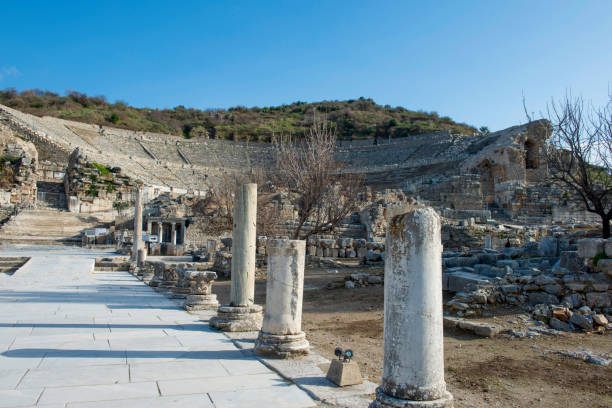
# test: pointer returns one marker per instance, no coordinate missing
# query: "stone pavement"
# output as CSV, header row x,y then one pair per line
x,y
70,337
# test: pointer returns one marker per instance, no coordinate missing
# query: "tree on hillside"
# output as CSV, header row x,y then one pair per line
x,y
322,194
579,153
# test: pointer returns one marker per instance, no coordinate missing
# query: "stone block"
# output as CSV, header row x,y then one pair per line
x,y
589,247
482,269
570,261
559,325
583,321
608,247
458,281
536,298
605,266
553,289
598,299
549,247
344,373
460,261
600,319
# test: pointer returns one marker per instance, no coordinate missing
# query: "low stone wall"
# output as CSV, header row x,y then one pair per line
x,y
559,283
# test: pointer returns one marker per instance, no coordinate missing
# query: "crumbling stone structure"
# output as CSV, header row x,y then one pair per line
x,y
18,167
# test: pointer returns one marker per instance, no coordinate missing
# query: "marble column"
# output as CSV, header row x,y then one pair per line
x,y
281,333
413,366
137,226
160,232
182,233
242,314
173,236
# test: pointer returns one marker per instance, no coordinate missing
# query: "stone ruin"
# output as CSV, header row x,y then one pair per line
x,y
564,283
499,175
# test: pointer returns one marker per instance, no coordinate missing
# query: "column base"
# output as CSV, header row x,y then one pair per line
x,y
194,303
238,318
385,401
281,345
146,278
179,293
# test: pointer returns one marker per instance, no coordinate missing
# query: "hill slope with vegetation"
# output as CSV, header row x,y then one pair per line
x,y
354,119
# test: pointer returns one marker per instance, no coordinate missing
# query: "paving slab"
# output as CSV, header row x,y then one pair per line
x,y
65,395
230,383
181,401
9,378
279,396
19,398
76,376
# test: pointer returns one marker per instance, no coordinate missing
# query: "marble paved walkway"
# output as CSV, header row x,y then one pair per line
x,y
73,338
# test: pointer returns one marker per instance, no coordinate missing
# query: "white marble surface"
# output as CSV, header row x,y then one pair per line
x,y
70,337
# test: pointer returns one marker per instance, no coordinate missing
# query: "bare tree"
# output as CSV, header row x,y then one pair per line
x,y
579,155
321,192
218,206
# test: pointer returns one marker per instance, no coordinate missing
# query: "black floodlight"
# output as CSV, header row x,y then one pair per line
x,y
348,354
338,353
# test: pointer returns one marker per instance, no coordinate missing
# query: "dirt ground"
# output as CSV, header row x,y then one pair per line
x,y
480,372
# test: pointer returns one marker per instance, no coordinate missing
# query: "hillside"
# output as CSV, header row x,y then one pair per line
x,y
354,119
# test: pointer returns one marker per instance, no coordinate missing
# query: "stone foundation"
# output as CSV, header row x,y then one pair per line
x,y
281,346
238,318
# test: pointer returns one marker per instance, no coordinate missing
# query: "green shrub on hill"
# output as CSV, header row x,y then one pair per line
x,y
354,118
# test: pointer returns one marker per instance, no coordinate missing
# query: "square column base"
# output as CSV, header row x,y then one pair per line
x,y
281,345
385,401
195,303
238,318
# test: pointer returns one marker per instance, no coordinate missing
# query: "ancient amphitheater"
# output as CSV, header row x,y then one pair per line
x,y
458,172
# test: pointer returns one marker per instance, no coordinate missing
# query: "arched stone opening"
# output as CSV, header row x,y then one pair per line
x,y
531,154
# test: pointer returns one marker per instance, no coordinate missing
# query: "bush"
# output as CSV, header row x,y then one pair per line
x,y
113,118
601,255
102,169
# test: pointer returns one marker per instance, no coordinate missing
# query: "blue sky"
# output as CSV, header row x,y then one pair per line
x,y
470,60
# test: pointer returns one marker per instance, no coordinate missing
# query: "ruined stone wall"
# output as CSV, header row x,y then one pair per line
x,y
90,190
18,167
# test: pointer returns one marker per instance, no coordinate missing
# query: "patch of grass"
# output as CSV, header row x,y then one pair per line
x,y
601,255
102,169
110,186
92,191
11,158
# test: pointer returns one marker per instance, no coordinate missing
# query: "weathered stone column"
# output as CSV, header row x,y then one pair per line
x,y
173,236
242,314
137,226
413,368
281,334
160,232
182,235
142,257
